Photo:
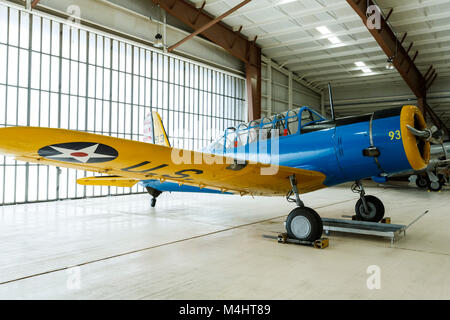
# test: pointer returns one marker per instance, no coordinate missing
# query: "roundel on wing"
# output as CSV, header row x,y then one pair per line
x,y
79,152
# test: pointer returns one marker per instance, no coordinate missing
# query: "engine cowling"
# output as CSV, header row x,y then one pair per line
x,y
417,150
379,144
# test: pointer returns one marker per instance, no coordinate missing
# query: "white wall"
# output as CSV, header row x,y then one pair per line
x,y
282,90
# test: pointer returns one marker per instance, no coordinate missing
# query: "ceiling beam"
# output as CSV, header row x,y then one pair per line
x,y
233,42
392,47
208,25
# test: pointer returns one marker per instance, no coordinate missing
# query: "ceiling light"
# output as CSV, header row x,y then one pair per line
x,y
334,40
285,2
159,43
323,30
360,64
367,70
390,64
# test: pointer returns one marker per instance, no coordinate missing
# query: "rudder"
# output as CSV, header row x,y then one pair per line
x,y
154,131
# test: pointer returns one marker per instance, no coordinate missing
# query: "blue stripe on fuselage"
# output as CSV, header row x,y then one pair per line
x,y
175,187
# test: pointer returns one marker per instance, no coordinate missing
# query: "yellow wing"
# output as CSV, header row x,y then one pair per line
x,y
139,161
109,181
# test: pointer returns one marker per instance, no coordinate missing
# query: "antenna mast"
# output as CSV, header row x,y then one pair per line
x,y
333,116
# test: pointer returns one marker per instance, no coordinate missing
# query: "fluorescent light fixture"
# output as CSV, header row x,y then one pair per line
x,y
367,70
323,30
360,64
334,40
283,2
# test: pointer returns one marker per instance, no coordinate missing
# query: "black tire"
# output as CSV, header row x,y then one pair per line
x,y
376,208
436,186
422,183
306,218
153,202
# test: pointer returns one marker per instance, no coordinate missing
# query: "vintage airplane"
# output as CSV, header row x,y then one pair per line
x,y
435,175
310,153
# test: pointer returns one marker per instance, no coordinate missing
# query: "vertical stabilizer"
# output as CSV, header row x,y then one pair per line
x,y
154,131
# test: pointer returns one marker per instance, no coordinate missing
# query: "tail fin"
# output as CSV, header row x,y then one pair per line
x,y
154,131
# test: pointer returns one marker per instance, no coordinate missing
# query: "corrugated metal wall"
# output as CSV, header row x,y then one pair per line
x,y
282,92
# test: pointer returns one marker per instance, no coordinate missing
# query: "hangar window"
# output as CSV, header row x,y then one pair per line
x,y
109,85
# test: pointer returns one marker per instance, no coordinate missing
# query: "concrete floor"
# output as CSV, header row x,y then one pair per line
x,y
211,247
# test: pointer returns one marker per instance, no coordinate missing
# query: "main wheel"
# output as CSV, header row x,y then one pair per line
x,y
422,182
153,202
375,206
304,224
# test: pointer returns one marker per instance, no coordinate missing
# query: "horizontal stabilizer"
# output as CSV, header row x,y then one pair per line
x,y
110,181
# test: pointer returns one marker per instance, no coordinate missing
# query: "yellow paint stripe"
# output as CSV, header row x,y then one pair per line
x,y
108,181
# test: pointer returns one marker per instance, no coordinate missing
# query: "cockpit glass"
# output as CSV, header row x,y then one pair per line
x,y
286,123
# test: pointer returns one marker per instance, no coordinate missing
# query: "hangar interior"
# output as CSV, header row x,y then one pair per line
x,y
100,66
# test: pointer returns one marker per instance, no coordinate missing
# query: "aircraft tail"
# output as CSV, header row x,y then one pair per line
x,y
154,131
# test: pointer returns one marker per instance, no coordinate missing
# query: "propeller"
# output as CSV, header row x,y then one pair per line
x,y
433,134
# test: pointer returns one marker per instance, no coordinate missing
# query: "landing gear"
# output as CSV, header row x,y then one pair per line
x,y
422,182
155,194
368,208
436,186
302,223
430,181
305,224
436,182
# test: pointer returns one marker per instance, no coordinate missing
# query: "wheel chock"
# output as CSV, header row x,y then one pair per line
x,y
386,220
282,238
321,243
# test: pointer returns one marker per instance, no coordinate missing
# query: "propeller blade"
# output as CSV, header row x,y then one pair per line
x,y
425,134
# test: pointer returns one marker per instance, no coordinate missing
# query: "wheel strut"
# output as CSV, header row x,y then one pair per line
x,y
359,188
294,191
154,193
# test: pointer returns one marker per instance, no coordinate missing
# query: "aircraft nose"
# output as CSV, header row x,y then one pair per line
x,y
416,137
